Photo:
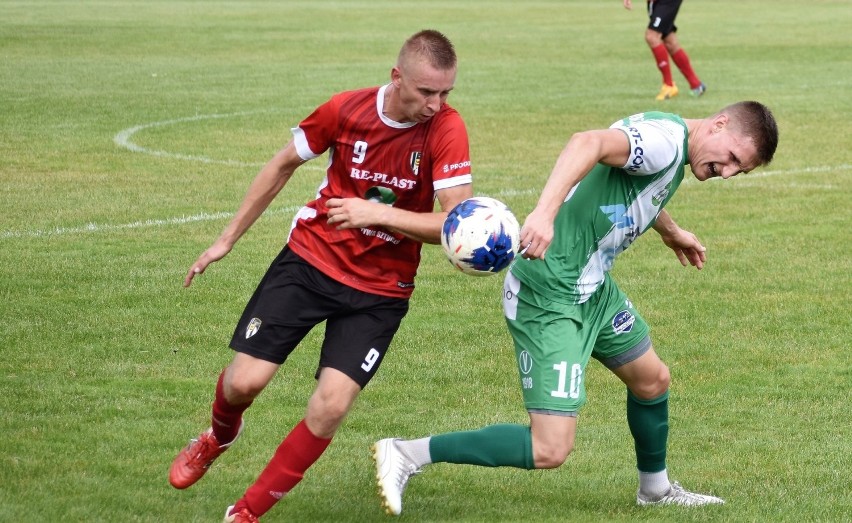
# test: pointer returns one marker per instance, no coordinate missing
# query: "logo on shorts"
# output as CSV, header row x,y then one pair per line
x,y
253,327
623,322
525,362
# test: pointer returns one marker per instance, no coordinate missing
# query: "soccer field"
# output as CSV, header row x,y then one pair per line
x,y
129,132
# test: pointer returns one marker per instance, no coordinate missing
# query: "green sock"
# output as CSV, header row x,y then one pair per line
x,y
493,446
649,423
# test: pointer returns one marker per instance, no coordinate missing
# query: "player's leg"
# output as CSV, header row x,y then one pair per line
x,y
238,385
304,444
681,60
551,379
261,347
660,24
647,379
356,340
624,346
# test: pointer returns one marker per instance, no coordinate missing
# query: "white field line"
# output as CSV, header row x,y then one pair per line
x,y
123,140
142,224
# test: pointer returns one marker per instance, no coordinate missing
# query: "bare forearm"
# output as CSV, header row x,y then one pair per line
x,y
665,225
421,227
263,189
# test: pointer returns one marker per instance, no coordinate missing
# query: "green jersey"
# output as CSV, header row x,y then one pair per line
x,y
609,208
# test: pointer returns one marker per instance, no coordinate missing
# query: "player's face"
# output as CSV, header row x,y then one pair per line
x,y
724,153
422,89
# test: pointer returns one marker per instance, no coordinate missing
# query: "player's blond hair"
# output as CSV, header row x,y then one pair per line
x,y
429,45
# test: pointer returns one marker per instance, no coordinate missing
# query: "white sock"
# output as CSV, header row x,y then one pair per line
x,y
417,450
654,484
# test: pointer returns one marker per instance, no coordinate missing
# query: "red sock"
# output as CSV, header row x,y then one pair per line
x,y
299,450
662,58
226,418
681,59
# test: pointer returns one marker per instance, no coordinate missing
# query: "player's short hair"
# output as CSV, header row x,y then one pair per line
x,y
432,46
755,120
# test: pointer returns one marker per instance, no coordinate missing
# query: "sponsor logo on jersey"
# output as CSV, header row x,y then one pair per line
x,y
638,153
382,235
623,322
453,166
414,161
659,196
405,284
617,214
386,179
525,362
380,194
253,327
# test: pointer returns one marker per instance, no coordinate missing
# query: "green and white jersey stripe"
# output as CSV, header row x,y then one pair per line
x,y
605,212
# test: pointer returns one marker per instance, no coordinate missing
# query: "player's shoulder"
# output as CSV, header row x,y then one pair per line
x,y
659,119
656,140
654,126
448,117
359,94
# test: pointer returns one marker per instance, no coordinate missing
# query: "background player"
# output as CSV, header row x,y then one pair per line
x,y
661,36
349,260
562,307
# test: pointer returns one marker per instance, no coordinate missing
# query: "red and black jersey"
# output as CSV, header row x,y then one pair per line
x,y
371,156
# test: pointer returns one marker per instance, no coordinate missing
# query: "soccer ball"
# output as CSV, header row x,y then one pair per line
x,y
480,236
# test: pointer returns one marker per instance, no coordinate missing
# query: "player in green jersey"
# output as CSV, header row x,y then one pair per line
x,y
562,307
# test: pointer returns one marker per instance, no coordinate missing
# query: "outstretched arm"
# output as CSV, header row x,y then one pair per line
x,y
266,185
686,245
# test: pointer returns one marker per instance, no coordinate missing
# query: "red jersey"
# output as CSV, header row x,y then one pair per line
x,y
371,156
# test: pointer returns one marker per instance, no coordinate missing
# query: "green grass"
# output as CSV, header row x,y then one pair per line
x,y
107,365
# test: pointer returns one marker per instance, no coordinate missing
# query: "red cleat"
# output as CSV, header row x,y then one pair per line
x,y
243,515
193,461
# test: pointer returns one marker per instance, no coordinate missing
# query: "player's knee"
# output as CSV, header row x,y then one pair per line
x,y
653,38
326,411
550,455
655,385
239,391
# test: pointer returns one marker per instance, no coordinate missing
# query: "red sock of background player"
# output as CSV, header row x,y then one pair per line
x,y
681,60
662,58
299,450
226,418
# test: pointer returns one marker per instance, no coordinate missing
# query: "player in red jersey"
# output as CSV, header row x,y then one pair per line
x,y
350,259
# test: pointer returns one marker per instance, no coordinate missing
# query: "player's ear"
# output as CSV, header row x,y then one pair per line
x,y
720,121
396,76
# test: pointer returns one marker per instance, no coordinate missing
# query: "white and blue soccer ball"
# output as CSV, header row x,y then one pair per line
x,y
481,236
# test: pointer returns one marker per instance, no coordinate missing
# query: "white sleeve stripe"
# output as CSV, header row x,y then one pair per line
x,y
301,143
446,183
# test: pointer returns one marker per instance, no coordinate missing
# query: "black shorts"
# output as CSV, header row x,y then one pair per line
x,y
293,297
662,15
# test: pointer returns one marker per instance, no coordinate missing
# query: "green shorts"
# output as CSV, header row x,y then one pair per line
x,y
553,341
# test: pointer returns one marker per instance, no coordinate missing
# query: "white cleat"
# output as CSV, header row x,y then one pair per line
x,y
393,470
677,495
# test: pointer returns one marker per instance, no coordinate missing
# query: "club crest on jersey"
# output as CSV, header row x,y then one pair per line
x,y
414,161
623,322
525,362
253,327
